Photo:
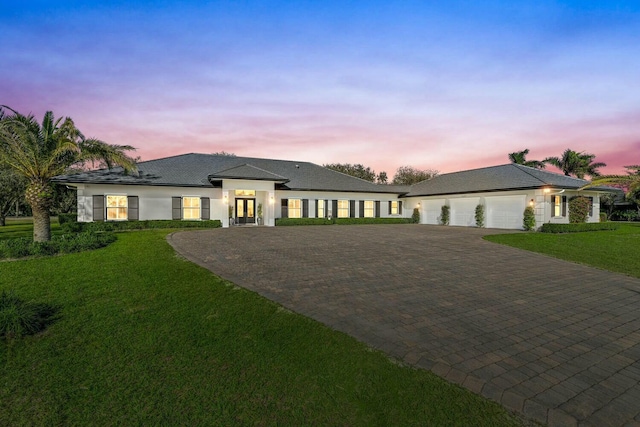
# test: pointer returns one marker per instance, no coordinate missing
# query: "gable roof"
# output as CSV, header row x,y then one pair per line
x,y
198,170
494,178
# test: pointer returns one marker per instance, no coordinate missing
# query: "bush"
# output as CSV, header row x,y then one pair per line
x,y
626,215
579,209
529,219
355,221
303,221
480,216
445,211
339,221
576,228
138,225
415,217
65,218
66,243
19,317
603,217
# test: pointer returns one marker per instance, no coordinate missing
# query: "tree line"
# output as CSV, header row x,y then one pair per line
x,y
405,175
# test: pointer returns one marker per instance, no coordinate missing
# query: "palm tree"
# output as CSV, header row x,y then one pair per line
x,y
577,164
39,152
629,182
519,158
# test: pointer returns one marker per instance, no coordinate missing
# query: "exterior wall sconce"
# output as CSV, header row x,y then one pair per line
x,y
271,200
531,202
225,199
418,206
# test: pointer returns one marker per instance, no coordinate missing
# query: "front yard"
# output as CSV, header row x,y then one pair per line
x,y
146,338
610,250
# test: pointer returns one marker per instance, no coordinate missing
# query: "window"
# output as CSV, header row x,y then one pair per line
x,y
394,208
369,209
245,192
116,208
557,206
295,210
320,209
343,209
191,207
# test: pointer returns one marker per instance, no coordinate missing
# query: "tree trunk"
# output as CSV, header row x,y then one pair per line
x,y
2,221
39,196
41,224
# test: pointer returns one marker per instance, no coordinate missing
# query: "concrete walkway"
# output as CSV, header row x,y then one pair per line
x,y
556,341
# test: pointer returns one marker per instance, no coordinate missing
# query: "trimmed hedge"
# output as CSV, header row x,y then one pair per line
x,y
77,227
340,221
66,243
65,218
577,228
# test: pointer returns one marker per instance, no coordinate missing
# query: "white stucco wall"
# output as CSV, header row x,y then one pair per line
x,y
312,196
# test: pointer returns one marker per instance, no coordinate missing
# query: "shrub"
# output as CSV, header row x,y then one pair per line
x,y
415,217
303,221
138,225
626,215
445,211
579,209
355,221
65,218
580,227
603,217
66,243
19,317
339,221
529,219
480,215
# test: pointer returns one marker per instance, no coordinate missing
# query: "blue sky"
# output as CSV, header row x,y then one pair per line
x,y
444,85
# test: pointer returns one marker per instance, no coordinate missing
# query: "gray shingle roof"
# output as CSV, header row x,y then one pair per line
x,y
194,170
494,178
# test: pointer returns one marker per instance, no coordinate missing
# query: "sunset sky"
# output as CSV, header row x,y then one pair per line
x,y
447,85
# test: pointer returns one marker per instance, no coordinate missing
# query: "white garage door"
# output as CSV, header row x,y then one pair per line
x,y
463,211
431,210
505,212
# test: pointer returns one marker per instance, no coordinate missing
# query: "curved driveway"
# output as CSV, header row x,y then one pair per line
x,y
557,341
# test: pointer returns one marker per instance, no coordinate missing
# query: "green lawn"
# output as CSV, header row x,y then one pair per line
x,y
610,250
23,227
146,338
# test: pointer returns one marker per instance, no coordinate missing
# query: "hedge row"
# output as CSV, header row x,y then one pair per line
x,y
576,228
77,227
340,221
66,243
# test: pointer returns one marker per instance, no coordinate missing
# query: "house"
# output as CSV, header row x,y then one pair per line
x,y
244,190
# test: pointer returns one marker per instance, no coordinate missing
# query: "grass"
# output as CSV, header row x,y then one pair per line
x,y
23,227
146,338
610,250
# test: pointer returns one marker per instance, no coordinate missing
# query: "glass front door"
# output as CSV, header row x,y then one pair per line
x,y
245,212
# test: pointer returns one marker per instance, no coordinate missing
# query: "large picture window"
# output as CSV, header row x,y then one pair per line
x,y
369,209
295,208
343,209
116,208
191,207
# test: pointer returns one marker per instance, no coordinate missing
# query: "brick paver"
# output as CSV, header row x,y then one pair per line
x,y
556,341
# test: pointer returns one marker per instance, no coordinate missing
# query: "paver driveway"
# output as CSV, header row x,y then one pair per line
x,y
557,341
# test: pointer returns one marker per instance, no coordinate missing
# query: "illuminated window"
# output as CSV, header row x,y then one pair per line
x,y
295,210
369,209
320,208
116,208
557,206
343,209
191,207
245,192
394,208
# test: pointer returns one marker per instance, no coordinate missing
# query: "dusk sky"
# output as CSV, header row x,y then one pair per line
x,y
447,85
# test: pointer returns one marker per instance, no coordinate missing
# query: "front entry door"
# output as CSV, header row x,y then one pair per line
x,y
245,212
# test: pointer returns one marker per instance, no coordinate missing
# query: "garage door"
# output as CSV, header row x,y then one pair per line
x,y
505,212
463,211
431,210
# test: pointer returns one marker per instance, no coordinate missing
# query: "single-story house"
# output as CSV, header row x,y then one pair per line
x,y
244,190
